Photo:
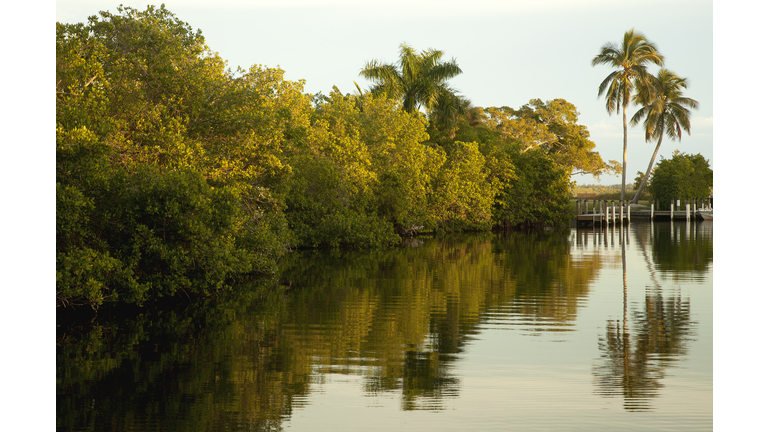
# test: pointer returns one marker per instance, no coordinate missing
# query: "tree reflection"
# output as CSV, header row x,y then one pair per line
x,y
682,247
398,319
634,356
199,367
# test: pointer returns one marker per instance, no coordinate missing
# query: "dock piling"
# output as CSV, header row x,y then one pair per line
x,y
621,212
628,211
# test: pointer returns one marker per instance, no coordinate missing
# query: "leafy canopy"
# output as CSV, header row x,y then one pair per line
x,y
685,176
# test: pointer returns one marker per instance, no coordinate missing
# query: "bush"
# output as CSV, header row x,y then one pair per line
x,y
463,192
152,233
324,210
684,176
538,197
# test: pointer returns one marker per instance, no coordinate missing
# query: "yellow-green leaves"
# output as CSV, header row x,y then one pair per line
x,y
553,127
462,189
167,163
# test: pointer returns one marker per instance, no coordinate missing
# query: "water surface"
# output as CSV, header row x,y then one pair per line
x,y
589,329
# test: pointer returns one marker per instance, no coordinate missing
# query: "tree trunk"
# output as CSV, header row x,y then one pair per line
x,y
624,163
650,166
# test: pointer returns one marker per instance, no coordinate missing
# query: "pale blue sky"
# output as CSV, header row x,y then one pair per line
x,y
510,51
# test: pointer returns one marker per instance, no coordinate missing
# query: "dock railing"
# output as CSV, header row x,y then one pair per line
x,y
600,211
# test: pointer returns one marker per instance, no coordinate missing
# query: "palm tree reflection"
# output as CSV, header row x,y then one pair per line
x,y
635,355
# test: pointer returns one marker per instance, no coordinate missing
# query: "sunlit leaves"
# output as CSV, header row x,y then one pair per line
x,y
166,161
462,191
419,81
685,176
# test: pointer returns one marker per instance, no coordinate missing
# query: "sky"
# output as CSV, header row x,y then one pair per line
x,y
509,51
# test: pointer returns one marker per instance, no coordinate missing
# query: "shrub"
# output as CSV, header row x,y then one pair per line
x,y
539,196
683,176
152,233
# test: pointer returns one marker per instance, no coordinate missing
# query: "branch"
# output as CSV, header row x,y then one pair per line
x,y
89,82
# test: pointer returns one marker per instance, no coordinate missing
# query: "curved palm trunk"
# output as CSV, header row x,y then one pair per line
x,y
624,163
650,166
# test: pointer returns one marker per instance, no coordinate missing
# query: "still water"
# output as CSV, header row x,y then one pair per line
x,y
595,329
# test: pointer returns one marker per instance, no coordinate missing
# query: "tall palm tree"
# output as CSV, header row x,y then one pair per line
x,y
629,59
420,80
664,110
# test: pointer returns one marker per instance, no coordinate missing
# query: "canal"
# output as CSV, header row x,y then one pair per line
x,y
589,329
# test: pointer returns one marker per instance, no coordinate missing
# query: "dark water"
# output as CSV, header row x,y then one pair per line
x,y
589,329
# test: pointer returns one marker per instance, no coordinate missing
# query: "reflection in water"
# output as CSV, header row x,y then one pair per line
x,y
634,361
202,367
682,248
410,312
635,356
397,323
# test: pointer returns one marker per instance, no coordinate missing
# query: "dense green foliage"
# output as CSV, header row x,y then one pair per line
x,y
551,126
176,175
682,177
539,197
166,163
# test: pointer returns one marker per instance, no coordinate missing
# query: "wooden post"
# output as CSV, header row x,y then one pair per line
x,y
599,212
687,210
605,212
652,203
672,210
578,208
627,202
621,212
594,207
613,212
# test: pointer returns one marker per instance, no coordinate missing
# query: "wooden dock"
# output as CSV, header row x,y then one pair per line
x,y
606,212
602,212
